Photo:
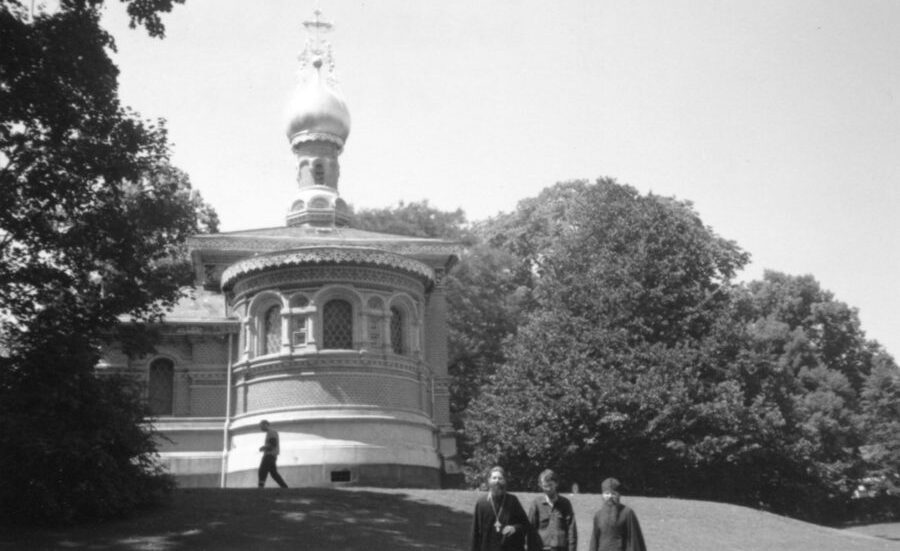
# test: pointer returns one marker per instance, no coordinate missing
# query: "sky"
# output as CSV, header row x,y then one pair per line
x,y
779,121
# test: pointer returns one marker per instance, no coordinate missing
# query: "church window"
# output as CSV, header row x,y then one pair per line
x,y
319,202
319,174
397,331
160,385
272,330
337,325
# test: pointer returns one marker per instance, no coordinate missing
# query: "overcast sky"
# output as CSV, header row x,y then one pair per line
x,y
779,120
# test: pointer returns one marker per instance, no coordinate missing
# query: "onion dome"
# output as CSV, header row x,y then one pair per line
x,y
316,112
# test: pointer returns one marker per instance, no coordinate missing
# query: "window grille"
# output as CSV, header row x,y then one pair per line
x,y
272,330
337,325
397,331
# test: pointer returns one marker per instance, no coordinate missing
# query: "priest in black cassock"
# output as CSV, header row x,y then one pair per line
x,y
616,527
499,523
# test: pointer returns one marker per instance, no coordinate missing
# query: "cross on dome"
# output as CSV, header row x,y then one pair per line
x,y
317,50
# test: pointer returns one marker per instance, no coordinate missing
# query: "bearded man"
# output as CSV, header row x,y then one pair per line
x,y
499,522
616,527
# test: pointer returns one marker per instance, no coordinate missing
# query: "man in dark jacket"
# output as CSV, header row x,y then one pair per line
x,y
616,527
499,522
552,518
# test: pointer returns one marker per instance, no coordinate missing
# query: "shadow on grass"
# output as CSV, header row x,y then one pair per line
x,y
292,519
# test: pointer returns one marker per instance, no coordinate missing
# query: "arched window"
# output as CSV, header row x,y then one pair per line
x,y
319,174
337,324
160,385
397,331
272,330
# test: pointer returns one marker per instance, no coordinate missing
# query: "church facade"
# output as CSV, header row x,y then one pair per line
x,y
336,336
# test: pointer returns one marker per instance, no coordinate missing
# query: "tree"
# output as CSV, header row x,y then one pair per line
x,y
92,222
881,409
802,355
416,219
486,299
624,288
661,270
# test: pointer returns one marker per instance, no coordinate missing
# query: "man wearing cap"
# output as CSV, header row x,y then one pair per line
x,y
499,522
552,518
616,527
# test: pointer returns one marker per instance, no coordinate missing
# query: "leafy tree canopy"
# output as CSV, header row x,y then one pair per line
x,y
92,222
416,219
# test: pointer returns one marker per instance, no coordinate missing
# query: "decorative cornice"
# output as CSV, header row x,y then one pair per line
x,y
306,137
325,255
321,276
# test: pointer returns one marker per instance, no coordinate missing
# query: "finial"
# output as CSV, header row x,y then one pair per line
x,y
317,50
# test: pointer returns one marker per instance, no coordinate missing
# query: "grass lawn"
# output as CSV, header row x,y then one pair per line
x,y
374,519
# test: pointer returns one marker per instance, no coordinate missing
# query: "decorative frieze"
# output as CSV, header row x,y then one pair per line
x,y
327,256
321,275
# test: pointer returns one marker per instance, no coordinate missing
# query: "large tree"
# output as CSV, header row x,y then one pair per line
x,y
92,222
622,288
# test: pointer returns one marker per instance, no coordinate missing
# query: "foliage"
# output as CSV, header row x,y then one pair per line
x,y
880,404
615,279
75,445
636,356
92,221
485,299
416,219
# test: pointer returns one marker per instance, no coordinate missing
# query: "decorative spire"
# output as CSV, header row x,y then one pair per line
x,y
318,126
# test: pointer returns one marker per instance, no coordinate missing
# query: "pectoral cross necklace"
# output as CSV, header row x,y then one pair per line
x,y
497,524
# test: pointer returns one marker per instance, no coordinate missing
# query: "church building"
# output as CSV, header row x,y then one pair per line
x,y
336,336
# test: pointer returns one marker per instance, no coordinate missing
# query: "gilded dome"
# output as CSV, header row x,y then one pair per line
x,y
317,112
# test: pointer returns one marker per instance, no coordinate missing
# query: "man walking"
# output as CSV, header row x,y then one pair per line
x,y
270,449
499,522
552,518
616,526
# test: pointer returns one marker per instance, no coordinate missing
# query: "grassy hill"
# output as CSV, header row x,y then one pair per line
x,y
373,519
